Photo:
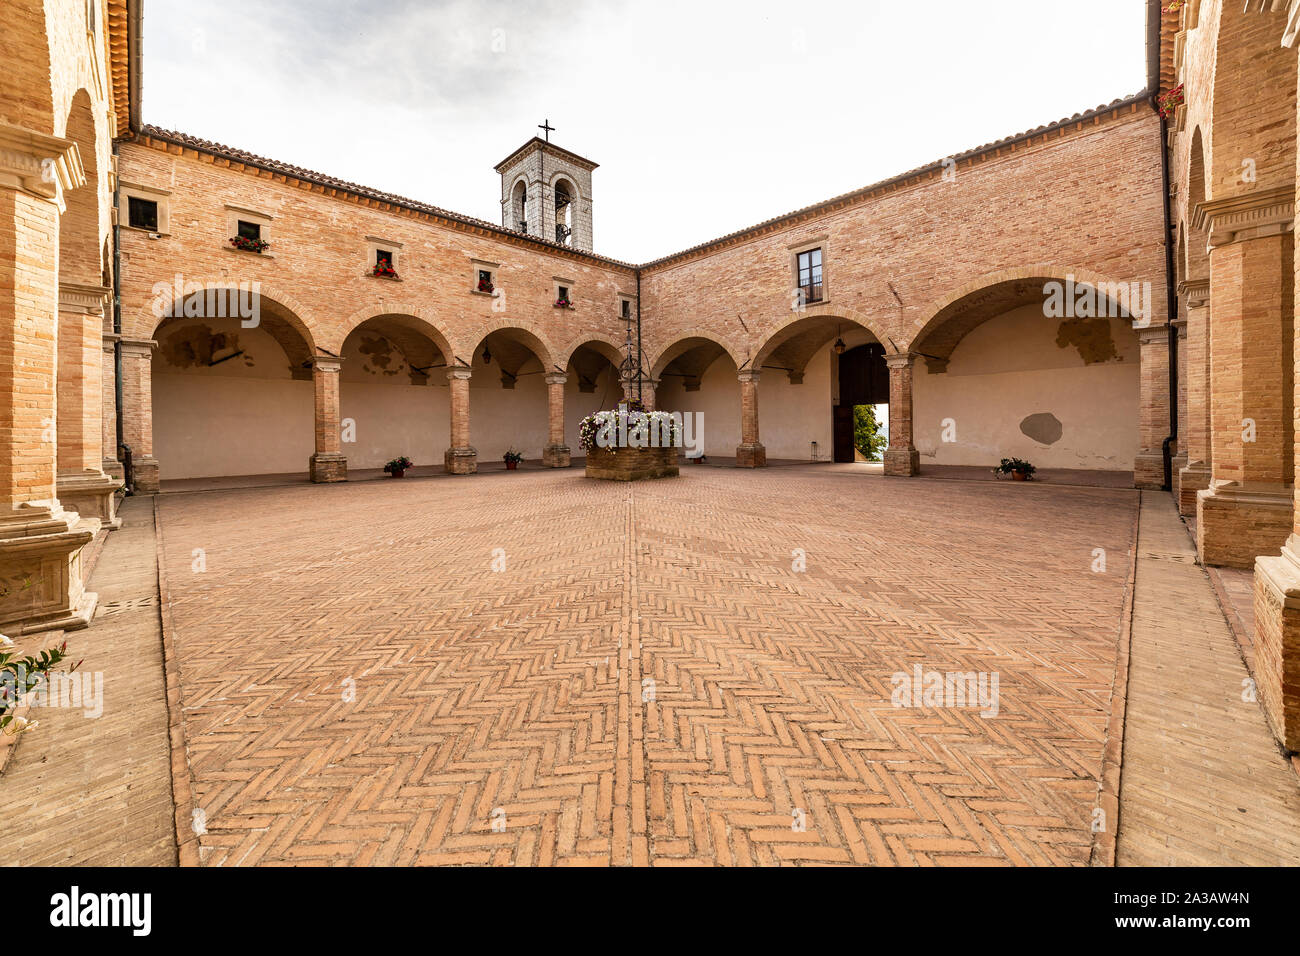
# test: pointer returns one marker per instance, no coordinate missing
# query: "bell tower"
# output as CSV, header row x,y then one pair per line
x,y
546,192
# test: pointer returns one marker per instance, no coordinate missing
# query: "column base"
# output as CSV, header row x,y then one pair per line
x,y
556,456
751,455
1277,641
113,468
92,494
1235,523
1195,477
41,584
902,462
1149,470
144,475
460,461
325,467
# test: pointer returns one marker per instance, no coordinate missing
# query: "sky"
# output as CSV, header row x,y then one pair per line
x,y
705,117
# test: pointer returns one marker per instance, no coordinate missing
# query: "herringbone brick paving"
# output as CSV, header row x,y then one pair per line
x,y
647,680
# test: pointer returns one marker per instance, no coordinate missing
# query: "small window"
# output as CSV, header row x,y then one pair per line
x,y
626,308
810,275
384,257
249,230
563,293
142,213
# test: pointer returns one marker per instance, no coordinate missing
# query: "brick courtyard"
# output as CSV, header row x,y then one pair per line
x,y
647,680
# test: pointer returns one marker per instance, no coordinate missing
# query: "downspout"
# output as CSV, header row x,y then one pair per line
x,y
1154,36
134,50
117,325
1172,293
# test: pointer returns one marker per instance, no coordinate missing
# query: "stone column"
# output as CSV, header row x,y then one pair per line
x,y
556,453
41,582
137,413
1194,429
1247,509
901,457
111,464
460,458
328,463
750,453
82,484
1153,406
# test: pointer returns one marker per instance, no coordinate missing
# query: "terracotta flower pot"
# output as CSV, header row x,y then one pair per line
x,y
1020,475
401,473
512,466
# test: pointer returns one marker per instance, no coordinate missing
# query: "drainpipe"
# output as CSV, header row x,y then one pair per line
x,y
1154,13
123,452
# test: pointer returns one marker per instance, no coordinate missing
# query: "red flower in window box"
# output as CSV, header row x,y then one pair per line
x,y
484,285
563,304
1168,103
384,270
248,244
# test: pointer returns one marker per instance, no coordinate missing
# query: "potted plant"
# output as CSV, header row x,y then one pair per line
x,y
485,286
384,270
397,467
512,459
1017,468
1169,102
249,244
563,304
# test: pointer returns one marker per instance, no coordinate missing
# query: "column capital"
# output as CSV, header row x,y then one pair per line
x,y
1152,334
326,363
900,359
749,375
1253,215
86,299
556,378
141,348
1196,292
39,164
460,372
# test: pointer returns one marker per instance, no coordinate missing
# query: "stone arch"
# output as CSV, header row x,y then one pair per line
x,y
948,319
414,317
534,340
604,344
79,226
686,340
590,356
802,337
277,314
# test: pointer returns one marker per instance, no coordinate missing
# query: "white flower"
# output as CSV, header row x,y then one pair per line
x,y
5,641
21,725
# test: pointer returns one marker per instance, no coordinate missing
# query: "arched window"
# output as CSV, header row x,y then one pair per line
x,y
563,213
519,205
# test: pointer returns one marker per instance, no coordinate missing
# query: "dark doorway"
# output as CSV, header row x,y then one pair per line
x,y
864,380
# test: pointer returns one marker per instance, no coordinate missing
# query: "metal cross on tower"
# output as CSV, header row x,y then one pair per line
x,y
547,127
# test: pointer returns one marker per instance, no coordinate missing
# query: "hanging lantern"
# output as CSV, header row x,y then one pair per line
x,y
487,356
839,346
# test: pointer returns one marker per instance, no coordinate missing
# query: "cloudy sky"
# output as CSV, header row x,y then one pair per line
x,y
704,116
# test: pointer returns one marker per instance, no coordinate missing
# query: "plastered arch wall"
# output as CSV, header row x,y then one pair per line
x,y
1018,365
